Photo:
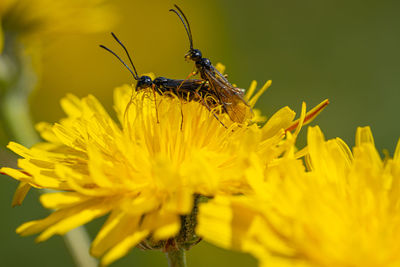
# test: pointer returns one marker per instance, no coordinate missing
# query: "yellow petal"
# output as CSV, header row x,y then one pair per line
x,y
72,105
19,149
40,177
250,91
93,106
214,221
62,200
255,98
63,220
163,224
280,120
364,136
301,119
396,155
310,116
122,248
117,227
46,132
170,226
20,193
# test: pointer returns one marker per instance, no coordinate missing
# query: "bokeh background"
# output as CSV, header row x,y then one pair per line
x,y
347,51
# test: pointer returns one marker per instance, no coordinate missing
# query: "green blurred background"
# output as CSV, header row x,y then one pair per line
x,y
347,51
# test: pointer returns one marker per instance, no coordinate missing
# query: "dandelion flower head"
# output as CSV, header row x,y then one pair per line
x,y
34,19
145,171
341,211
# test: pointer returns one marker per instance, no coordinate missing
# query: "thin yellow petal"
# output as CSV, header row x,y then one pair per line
x,y
170,227
72,105
19,149
20,175
396,155
280,120
69,137
163,225
114,230
61,200
122,248
250,91
301,119
310,116
20,193
364,136
75,217
46,132
64,220
40,177
255,98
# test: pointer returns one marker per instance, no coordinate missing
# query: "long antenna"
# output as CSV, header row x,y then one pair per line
x,y
183,14
126,51
185,23
109,50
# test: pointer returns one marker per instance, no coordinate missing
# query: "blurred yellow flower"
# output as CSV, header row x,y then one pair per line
x,y
35,19
343,211
34,22
145,173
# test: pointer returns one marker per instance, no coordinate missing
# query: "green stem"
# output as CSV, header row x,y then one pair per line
x,y
176,258
15,111
77,241
17,80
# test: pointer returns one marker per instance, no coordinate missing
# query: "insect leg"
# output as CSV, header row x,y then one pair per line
x,y
127,107
180,99
209,109
155,100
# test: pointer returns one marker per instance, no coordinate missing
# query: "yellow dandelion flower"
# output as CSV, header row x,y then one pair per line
x,y
146,174
37,18
342,211
33,22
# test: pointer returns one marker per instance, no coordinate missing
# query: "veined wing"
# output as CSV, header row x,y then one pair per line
x,y
224,80
232,101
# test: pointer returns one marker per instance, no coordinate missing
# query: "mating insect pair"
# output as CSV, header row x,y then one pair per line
x,y
193,89
212,85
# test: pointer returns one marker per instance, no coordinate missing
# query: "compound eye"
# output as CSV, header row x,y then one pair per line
x,y
144,82
147,80
196,54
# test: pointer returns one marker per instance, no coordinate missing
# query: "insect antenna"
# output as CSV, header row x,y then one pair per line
x,y
185,23
126,51
112,52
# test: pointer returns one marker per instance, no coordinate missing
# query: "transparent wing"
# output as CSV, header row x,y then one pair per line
x,y
233,103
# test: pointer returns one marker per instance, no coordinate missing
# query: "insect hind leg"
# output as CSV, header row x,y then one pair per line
x,y
180,100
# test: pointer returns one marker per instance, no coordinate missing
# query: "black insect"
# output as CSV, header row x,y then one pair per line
x,y
229,96
188,90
